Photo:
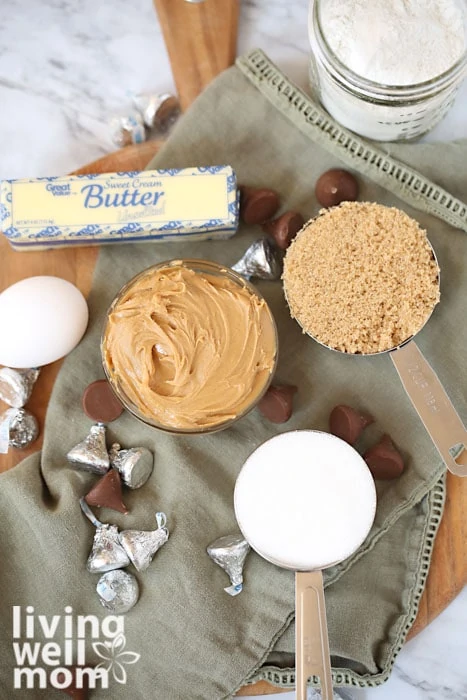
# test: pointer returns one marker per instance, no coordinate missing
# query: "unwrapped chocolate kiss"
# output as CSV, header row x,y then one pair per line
x,y
107,493
284,228
277,403
257,205
384,459
347,423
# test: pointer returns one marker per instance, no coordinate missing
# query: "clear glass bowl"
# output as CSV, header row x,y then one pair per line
x,y
377,111
199,266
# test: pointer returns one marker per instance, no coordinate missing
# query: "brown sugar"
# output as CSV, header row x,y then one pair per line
x,y
361,277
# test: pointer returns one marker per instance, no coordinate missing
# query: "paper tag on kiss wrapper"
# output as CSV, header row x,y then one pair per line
x,y
4,436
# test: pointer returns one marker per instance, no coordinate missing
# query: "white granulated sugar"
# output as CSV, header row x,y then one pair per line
x,y
305,500
395,42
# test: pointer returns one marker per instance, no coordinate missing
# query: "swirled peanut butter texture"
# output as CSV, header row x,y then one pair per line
x,y
190,349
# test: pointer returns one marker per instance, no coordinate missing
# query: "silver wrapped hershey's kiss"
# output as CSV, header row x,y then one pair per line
x,y
118,591
127,129
262,260
107,552
91,454
158,111
141,545
18,428
229,552
16,385
135,464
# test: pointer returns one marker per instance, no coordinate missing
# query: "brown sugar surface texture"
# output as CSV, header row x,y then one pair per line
x,y
361,277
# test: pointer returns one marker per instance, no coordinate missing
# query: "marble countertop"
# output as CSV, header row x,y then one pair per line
x,y
65,69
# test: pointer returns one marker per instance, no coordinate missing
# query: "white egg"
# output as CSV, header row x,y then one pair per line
x,y
41,320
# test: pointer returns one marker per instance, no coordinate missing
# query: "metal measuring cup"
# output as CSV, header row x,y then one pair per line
x,y
305,500
427,394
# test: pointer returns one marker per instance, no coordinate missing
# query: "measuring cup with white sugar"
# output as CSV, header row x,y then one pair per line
x,y
305,500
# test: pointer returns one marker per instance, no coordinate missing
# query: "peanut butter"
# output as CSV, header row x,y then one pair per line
x,y
189,349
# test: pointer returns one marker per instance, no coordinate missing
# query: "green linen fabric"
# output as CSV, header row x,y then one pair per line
x,y
194,641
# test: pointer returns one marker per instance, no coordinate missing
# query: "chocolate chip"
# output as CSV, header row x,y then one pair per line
x,y
107,493
284,228
348,424
336,186
384,459
100,403
277,403
257,205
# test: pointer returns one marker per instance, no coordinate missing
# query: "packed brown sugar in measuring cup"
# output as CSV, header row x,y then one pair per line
x,y
361,278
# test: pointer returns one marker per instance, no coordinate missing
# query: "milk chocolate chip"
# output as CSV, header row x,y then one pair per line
x,y
277,403
107,493
100,403
284,228
348,424
257,205
336,186
384,460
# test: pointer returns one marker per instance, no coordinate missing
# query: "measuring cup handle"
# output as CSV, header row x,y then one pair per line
x,y
311,634
433,405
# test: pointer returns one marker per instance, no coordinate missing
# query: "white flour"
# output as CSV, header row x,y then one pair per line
x,y
395,42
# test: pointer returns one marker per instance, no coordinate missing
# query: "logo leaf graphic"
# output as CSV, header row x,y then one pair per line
x,y
114,657
119,673
102,650
128,657
118,644
105,667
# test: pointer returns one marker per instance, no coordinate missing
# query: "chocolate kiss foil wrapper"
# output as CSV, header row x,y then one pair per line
x,y
18,428
91,454
135,465
126,130
118,591
107,552
158,111
16,385
229,552
262,260
141,545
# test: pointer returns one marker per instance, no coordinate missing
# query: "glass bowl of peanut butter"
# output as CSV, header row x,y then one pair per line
x,y
189,346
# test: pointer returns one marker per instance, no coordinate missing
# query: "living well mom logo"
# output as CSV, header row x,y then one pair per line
x,y
46,663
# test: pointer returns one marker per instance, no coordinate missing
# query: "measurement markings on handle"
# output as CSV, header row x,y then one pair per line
x,y
418,378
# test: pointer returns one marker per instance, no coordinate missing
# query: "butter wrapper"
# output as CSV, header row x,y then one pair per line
x,y
154,205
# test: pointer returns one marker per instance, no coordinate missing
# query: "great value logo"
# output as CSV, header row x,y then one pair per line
x,y
59,190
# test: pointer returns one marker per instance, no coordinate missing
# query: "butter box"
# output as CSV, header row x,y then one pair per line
x,y
154,205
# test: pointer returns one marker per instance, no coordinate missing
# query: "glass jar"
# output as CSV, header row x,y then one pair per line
x,y
118,382
374,110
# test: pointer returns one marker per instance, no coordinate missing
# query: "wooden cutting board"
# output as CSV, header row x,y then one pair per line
x,y
448,572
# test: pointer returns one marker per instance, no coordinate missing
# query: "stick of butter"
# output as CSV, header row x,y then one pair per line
x,y
154,205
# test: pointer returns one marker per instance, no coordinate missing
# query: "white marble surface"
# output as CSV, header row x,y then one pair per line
x,y
65,68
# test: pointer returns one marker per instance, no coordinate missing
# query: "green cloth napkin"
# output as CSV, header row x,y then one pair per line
x,y
194,641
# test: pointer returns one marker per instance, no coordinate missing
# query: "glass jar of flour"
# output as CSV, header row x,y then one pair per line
x,y
388,69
